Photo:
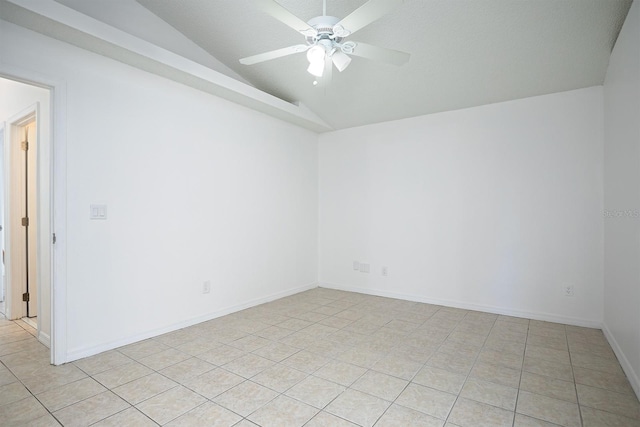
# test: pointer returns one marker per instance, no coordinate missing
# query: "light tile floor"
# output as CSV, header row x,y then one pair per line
x,y
328,358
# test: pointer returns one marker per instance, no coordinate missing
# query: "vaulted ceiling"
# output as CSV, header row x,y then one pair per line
x,y
464,53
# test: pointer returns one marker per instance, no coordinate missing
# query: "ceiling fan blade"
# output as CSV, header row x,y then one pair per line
x,y
286,17
390,56
278,53
367,13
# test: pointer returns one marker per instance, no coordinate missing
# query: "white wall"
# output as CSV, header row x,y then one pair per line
x,y
15,97
622,198
495,207
197,189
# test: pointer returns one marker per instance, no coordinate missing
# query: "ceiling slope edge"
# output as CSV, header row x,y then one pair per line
x,y
62,23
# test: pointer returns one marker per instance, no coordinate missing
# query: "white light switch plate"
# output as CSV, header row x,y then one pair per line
x,y
98,212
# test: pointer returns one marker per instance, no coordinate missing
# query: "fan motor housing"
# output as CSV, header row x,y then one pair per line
x,y
324,26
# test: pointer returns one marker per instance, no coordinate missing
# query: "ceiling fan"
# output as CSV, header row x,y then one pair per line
x,y
325,37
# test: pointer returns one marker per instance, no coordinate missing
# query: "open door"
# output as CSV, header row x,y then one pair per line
x,y
22,222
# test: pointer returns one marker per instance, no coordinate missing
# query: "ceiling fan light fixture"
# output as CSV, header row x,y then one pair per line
x,y
316,56
316,68
340,60
316,53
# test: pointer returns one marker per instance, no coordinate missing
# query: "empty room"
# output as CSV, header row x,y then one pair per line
x,y
313,213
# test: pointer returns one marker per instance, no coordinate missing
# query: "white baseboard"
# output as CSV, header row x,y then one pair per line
x,y
628,369
44,339
80,353
548,317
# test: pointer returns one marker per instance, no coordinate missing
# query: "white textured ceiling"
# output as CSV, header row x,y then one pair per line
x,y
464,53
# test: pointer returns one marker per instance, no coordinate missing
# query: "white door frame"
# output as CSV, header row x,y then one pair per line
x,y
58,204
3,293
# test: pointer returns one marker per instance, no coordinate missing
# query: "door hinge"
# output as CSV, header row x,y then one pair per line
x,y
24,145
53,239
25,297
25,221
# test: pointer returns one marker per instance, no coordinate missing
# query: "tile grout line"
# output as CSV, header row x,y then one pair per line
x,y
573,375
524,355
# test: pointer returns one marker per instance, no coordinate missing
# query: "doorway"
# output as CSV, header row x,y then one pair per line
x,y
25,112
21,188
19,88
3,290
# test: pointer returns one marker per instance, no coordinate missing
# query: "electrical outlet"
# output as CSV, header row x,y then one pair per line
x,y
385,270
567,290
356,265
206,287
